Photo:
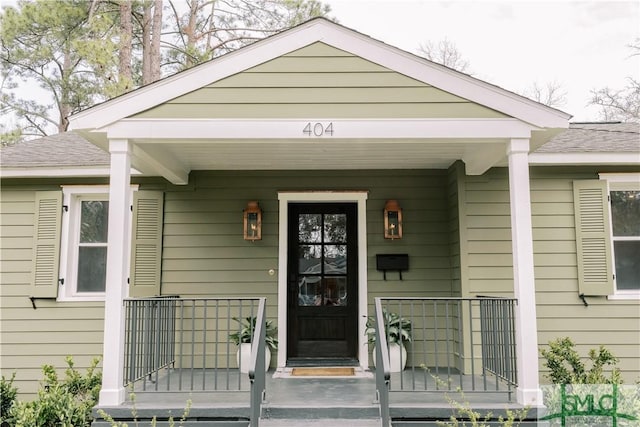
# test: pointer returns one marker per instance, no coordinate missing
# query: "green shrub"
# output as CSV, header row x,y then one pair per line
x,y
567,367
171,422
7,399
465,416
61,403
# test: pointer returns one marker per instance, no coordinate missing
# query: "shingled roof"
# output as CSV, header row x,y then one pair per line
x,y
69,150
611,137
66,149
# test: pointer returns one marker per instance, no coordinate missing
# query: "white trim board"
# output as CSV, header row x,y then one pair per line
x,y
171,130
558,159
79,172
359,197
325,31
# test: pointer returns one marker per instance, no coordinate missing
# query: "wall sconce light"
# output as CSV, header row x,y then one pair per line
x,y
252,221
392,220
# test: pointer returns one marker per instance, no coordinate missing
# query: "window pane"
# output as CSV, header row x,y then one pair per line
x,y
94,221
627,256
625,213
335,291
309,228
92,268
335,228
309,292
335,259
309,259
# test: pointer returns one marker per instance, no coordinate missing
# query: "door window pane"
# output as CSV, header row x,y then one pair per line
x,y
627,255
309,291
335,291
92,268
335,228
309,228
335,259
309,259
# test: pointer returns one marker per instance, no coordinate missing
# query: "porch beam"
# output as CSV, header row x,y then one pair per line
x,y
157,130
483,158
112,391
528,392
159,162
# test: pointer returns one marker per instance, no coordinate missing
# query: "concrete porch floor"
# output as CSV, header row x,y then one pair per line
x,y
309,401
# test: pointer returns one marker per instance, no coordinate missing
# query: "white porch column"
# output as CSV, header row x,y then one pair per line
x,y
112,391
528,392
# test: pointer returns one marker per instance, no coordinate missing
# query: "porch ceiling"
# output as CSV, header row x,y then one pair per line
x,y
325,154
174,147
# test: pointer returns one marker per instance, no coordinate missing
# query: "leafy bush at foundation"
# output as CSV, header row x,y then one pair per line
x,y
64,402
7,399
587,391
567,367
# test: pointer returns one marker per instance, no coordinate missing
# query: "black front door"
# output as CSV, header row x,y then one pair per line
x,y
322,283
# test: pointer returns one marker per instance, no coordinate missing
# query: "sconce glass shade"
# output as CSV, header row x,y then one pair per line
x,y
392,220
252,215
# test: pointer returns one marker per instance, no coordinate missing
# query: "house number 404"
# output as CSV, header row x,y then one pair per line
x,y
318,129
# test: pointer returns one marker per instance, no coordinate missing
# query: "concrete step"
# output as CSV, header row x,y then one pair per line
x,y
320,412
320,422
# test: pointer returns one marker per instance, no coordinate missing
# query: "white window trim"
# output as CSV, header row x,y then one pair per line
x,y
72,195
633,179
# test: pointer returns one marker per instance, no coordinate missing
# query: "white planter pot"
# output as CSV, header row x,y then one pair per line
x,y
397,357
243,357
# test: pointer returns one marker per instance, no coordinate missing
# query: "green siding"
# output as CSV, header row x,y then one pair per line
x,y
322,82
487,238
204,253
457,234
31,338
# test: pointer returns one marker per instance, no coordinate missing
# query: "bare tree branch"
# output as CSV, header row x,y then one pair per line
x,y
551,94
444,52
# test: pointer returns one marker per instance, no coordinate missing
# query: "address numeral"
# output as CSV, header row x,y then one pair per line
x,y
318,129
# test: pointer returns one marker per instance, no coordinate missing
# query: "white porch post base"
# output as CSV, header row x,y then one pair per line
x,y
528,392
529,397
111,397
112,391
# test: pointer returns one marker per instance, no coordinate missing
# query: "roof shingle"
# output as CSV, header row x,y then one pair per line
x,y
66,149
595,138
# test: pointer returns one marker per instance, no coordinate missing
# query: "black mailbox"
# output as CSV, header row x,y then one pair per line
x,y
392,262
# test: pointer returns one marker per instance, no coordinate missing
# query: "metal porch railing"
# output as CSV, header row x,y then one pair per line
x,y
458,344
177,344
149,336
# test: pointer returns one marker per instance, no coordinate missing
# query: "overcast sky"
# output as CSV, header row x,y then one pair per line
x,y
511,43
582,45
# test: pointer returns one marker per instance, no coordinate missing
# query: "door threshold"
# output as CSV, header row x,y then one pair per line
x,y
290,372
300,362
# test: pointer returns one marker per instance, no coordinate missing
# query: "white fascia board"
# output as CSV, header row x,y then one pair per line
x,y
320,30
584,159
211,129
57,172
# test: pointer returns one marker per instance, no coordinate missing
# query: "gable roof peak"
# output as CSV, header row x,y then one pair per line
x,y
333,34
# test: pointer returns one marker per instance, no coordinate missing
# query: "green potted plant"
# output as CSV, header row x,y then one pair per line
x,y
243,336
397,331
